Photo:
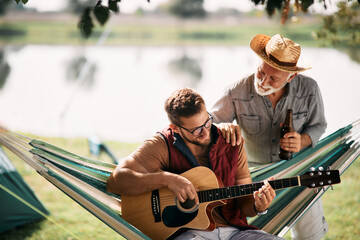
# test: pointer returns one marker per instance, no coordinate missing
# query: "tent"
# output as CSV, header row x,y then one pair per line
x,y
14,212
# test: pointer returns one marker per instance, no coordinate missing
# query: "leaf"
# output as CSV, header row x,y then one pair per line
x,y
17,1
101,13
305,4
86,24
113,5
24,1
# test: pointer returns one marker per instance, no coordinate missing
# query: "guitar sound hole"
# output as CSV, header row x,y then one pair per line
x,y
173,217
188,204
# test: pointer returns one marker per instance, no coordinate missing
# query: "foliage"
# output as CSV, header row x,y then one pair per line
x,y
4,4
77,6
194,8
23,1
86,24
165,32
341,28
4,68
187,8
101,14
284,6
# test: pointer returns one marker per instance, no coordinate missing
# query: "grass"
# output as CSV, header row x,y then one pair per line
x,y
341,206
65,212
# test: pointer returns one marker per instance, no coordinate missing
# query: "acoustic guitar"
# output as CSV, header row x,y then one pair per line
x,y
159,214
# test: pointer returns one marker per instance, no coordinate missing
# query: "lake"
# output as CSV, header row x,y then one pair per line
x,y
121,91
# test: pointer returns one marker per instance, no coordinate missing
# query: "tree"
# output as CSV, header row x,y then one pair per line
x,y
78,6
342,29
187,8
283,6
4,4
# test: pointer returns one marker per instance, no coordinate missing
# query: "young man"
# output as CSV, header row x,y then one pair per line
x,y
192,140
259,104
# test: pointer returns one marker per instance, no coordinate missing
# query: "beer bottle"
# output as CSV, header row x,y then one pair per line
x,y
287,127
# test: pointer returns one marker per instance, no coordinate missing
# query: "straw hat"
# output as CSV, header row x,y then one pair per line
x,y
280,53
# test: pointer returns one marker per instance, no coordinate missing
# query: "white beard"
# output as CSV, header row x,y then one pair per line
x,y
267,90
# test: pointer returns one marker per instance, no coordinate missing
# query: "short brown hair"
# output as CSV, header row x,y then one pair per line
x,y
183,102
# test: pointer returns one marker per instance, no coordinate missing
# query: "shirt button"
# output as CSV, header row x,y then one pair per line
x,y
274,154
274,124
273,140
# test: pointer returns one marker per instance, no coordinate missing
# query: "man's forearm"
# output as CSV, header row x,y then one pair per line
x,y
305,140
128,182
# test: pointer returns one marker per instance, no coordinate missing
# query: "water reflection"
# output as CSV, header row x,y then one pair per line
x,y
130,84
354,53
81,70
188,68
4,68
8,33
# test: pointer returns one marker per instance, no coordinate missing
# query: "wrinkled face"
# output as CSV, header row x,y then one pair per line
x,y
193,124
269,80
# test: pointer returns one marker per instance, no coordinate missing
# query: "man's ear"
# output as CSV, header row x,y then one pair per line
x,y
291,78
174,127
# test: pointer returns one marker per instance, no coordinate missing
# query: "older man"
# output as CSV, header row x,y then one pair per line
x,y
259,104
189,141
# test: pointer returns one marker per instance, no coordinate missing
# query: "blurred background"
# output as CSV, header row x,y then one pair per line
x,y
54,82
70,69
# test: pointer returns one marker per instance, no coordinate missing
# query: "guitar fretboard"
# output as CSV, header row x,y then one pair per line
x,y
243,190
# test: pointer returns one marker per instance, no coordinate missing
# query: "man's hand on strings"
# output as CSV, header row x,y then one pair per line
x,y
264,196
182,188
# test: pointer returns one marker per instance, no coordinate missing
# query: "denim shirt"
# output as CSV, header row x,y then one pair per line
x,y
260,122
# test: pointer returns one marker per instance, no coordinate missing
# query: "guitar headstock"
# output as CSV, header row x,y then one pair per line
x,y
320,178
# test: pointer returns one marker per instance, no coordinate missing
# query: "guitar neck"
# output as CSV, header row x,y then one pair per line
x,y
244,190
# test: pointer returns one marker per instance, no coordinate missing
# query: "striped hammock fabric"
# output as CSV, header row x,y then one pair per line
x,y
84,180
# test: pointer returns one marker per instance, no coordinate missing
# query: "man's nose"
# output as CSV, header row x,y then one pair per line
x,y
264,81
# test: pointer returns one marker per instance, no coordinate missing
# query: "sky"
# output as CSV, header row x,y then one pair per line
x,y
129,6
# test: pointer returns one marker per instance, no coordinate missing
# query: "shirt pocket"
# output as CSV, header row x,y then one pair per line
x,y
250,124
299,119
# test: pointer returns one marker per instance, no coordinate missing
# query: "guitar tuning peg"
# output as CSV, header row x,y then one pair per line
x,y
316,190
332,187
321,168
312,169
324,189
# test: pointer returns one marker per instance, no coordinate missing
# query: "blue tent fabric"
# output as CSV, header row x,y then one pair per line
x,y
14,213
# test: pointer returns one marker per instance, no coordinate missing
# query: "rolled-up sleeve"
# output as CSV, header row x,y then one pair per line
x,y
316,124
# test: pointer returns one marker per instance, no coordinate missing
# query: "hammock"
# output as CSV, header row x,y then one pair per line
x,y
84,180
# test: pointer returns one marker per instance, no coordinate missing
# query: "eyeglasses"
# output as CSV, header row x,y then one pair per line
x,y
197,131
